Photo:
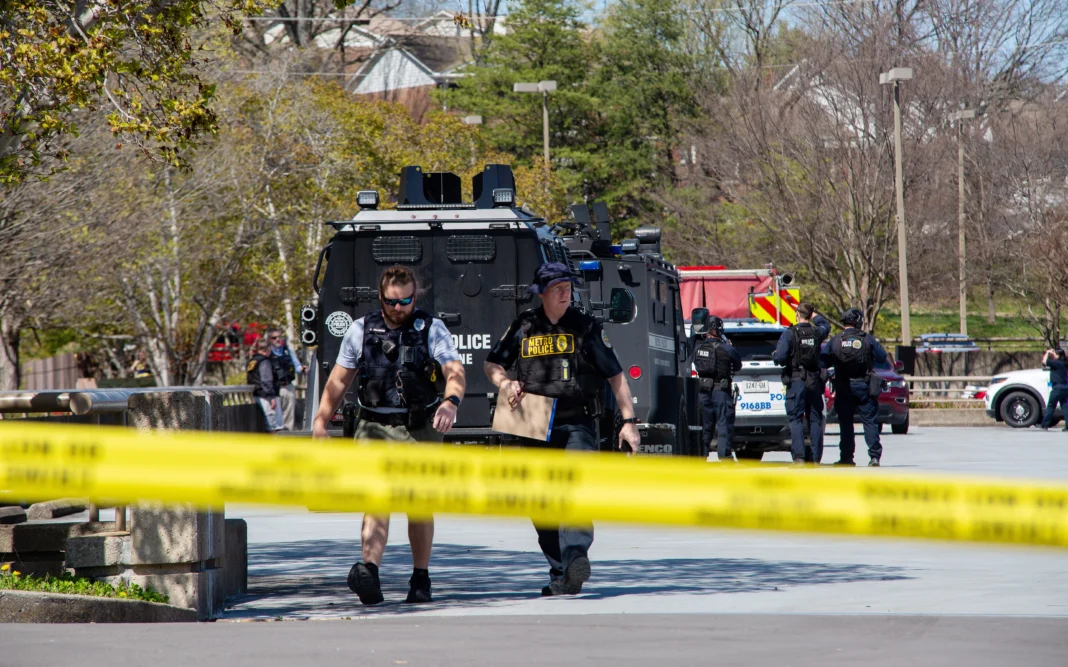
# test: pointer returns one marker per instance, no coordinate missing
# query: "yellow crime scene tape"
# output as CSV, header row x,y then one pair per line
x,y
117,465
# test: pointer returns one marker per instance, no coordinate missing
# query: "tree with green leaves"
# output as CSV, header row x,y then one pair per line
x,y
137,58
614,117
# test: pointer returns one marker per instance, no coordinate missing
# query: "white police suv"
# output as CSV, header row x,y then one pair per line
x,y
760,423
1018,398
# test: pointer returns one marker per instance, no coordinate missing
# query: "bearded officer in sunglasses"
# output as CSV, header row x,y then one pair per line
x,y
393,351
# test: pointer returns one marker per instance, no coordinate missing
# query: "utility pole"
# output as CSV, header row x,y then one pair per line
x,y
894,77
959,117
543,87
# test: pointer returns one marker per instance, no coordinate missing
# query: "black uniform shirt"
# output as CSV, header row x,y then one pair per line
x,y
596,348
1058,371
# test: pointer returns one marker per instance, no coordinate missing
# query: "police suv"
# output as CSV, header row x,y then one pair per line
x,y
760,424
473,262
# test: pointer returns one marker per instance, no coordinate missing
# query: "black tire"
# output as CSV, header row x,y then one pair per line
x,y
900,429
749,454
1020,410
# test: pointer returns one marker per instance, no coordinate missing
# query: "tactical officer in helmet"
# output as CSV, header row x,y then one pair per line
x,y
393,350
799,352
561,352
853,355
716,362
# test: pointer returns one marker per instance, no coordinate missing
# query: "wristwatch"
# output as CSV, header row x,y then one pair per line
x,y
632,420
455,400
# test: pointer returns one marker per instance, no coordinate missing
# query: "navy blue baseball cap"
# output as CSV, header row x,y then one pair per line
x,y
550,274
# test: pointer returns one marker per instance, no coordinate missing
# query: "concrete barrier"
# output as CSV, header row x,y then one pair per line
x,y
30,607
950,417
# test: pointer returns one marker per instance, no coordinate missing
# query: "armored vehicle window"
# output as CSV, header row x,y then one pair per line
x,y
754,345
470,249
394,249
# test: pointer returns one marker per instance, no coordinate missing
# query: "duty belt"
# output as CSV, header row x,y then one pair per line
x,y
386,418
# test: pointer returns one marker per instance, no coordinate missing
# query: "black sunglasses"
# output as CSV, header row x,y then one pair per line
x,y
406,301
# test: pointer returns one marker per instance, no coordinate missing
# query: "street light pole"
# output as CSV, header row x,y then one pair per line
x,y
543,87
895,76
959,117
545,123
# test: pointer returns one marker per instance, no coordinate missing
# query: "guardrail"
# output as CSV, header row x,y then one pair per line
x,y
90,405
959,390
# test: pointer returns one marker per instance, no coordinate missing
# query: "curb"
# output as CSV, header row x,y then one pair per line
x,y
950,417
32,607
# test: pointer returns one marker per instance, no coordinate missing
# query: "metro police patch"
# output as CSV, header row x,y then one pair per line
x,y
604,339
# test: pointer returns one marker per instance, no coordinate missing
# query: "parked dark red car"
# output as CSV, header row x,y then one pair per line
x,y
893,403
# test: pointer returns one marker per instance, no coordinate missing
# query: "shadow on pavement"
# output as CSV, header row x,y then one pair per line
x,y
307,578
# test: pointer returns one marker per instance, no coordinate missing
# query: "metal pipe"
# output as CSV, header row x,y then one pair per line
x,y
35,401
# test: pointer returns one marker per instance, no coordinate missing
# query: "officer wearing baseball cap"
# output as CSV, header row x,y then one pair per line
x,y
559,351
853,354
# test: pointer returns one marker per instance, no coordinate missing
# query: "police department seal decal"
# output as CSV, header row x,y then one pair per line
x,y
419,324
604,339
338,322
857,345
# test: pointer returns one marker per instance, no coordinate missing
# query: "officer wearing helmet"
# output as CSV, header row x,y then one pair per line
x,y
563,353
798,351
716,361
853,354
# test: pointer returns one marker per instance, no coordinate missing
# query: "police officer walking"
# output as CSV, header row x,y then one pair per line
x,y
393,351
286,367
260,374
798,351
716,361
560,352
853,355
1054,360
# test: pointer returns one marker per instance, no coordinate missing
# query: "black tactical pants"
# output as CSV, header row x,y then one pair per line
x,y
852,400
804,401
717,412
1058,394
562,544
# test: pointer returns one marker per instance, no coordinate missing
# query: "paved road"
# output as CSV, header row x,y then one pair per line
x,y
655,593
619,641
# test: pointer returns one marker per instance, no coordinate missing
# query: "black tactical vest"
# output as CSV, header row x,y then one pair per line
x,y
804,351
713,364
854,357
396,368
252,374
284,370
550,359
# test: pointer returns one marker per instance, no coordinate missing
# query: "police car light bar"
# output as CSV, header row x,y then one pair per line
x,y
590,265
503,197
367,199
629,246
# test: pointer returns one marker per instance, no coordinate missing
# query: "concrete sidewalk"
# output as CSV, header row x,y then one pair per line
x,y
298,561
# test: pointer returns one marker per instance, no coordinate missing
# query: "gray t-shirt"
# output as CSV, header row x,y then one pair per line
x,y
440,340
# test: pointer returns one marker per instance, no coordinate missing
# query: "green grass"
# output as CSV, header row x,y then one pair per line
x,y
889,326
66,583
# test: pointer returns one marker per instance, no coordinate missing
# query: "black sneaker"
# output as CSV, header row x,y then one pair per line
x,y
845,463
874,463
576,574
419,591
364,583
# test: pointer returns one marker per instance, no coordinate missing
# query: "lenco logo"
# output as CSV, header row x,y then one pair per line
x,y
655,449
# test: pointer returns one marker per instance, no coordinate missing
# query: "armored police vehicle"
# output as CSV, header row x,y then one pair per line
x,y
653,348
473,261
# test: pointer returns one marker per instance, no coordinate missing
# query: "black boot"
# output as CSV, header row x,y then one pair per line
x,y
363,581
419,587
